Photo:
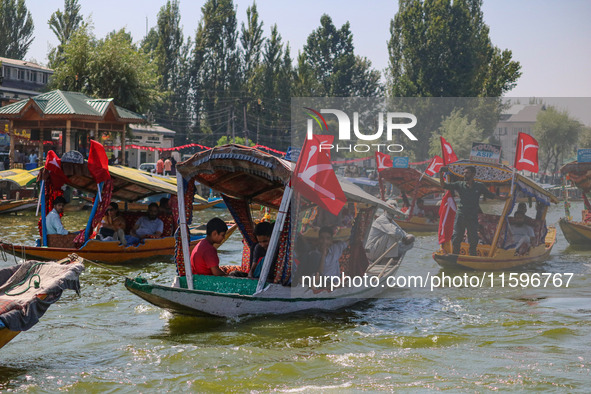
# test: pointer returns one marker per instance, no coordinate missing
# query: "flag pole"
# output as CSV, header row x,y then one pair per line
x,y
42,191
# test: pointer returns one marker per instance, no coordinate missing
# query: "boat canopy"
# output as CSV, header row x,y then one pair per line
x,y
579,173
128,184
250,174
19,178
501,176
407,180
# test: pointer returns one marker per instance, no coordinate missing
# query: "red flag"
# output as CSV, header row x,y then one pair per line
x,y
98,163
383,161
53,164
314,177
447,215
526,154
449,155
434,165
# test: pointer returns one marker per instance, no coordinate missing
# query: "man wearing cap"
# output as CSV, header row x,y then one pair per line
x,y
384,233
53,221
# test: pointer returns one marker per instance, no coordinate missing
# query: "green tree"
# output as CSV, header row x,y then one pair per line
x,y
215,76
63,25
585,138
440,48
460,132
557,133
251,39
237,140
110,68
16,29
329,58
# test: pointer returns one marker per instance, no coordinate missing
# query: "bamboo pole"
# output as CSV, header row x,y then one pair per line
x,y
493,247
273,243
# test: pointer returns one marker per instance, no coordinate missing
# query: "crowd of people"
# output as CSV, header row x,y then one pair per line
x,y
113,224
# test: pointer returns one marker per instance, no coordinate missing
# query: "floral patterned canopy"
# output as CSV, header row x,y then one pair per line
x,y
407,180
579,173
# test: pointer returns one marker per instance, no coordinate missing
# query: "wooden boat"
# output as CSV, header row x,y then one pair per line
x,y
496,253
18,184
244,175
22,305
577,232
126,185
17,205
416,185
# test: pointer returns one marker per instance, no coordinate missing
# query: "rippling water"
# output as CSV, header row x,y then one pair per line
x,y
459,339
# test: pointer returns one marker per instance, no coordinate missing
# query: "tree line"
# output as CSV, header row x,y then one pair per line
x,y
228,81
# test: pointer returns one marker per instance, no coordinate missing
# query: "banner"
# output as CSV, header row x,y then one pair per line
x,y
485,153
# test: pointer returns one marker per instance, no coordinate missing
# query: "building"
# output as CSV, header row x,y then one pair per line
x,y
62,121
518,118
143,146
20,79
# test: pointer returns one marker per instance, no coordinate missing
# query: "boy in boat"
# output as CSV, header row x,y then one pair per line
x,y
262,232
523,234
147,226
53,220
204,258
468,208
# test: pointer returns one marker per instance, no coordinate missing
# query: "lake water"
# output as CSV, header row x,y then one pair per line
x,y
456,339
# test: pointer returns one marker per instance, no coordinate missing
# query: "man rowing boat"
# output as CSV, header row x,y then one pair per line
x,y
468,208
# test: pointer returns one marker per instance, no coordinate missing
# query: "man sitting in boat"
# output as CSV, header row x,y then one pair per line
x,y
321,258
54,220
523,234
420,211
204,258
468,208
147,226
383,234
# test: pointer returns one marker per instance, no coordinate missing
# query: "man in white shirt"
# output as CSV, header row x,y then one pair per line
x,y
383,234
147,226
523,234
53,221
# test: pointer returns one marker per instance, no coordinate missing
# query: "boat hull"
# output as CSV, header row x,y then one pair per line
x,y
6,336
576,233
109,252
502,260
412,226
275,299
17,205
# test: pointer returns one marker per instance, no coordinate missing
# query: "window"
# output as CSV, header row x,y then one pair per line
x,y
21,74
44,78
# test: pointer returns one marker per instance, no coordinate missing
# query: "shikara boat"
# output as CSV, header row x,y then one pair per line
x,y
415,185
578,232
244,175
18,182
22,304
496,251
125,185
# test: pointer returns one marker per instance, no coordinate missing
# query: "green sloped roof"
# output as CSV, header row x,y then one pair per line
x,y
58,102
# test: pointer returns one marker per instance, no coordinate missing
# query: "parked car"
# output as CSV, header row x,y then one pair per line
x,y
148,167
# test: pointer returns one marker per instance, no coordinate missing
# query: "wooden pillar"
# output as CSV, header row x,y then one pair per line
x,y
122,160
67,142
12,141
40,154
